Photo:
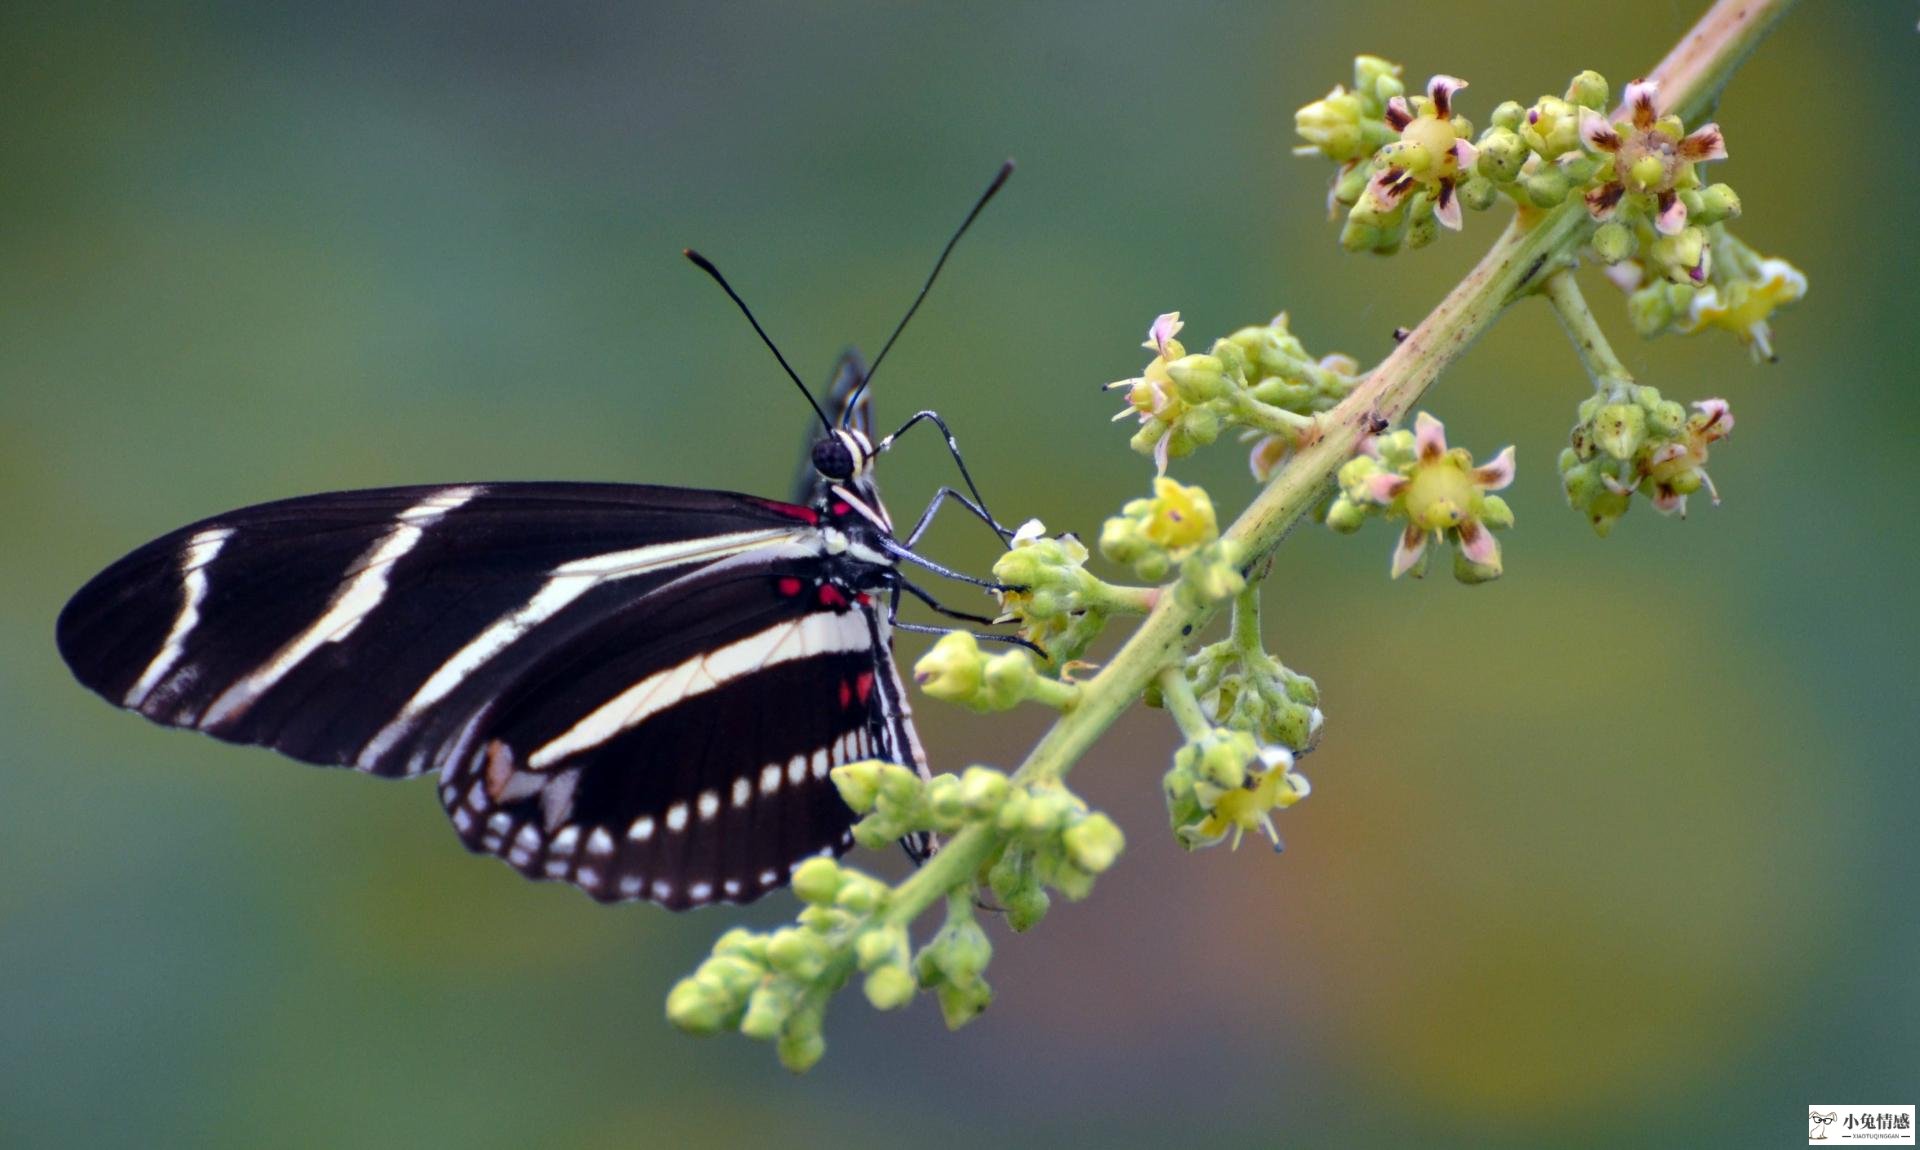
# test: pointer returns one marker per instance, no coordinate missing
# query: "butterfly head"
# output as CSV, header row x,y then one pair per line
x,y
843,455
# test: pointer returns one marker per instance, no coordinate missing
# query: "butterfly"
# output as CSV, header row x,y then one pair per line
x,y
638,690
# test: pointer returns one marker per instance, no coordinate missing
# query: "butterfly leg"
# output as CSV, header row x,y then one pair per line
x,y
897,551
921,594
926,517
894,620
953,446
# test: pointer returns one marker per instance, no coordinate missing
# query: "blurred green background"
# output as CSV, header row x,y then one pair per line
x,y
1612,851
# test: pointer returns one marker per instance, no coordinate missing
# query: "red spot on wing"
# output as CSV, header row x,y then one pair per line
x,y
793,511
864,686
841,509
831,596
846,695
789,585
864,599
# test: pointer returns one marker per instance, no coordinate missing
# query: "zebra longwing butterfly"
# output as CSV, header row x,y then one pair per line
x,y
638,690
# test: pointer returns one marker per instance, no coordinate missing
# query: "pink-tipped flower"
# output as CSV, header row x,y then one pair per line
x,y
1652,155
1431,154
1443,496
1160,335
1677,469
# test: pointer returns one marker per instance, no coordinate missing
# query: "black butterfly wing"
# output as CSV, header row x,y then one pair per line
x,y
679,750
358,628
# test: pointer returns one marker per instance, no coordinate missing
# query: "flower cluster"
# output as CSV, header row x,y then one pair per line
x,y
1250,690
1651,161
1224,783
1630,439
775,985
1439,492
1259,378
1739,291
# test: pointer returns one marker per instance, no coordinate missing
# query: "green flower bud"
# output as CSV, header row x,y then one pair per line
x,y
952,668
799,954
1422,229
982,790
1495,513
959,1005
818,879
1650,310
769,1007
1682,258
944,806
1469,572
740,943
697,1009
1716,204
1093,843
874,833
1346,516
1199,378
829,919
1664,417
1620,429
1478,193
861,895
1014,884
1369,231
1009,679
1378,77
889,987
1613,242
1551,127
1070,880
1548,187
1502,154
879,946
1509,115
1220,757
898,785
801,1047
857,783
1588,90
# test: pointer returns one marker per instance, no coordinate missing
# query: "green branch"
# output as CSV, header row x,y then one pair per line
x,y
1596,354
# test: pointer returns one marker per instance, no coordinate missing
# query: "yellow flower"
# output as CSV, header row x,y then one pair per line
x,y
1743,306
1180,517
1275,786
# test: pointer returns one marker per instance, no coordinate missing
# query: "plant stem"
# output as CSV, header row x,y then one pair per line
x,y
1596,354
1181,704
1534,244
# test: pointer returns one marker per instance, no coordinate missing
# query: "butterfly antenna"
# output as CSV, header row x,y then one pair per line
x,y
706,265
999,178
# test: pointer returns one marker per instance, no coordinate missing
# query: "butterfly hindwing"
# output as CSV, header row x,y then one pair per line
x,y
679,751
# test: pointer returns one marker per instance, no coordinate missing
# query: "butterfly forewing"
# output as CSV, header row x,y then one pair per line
x,y
313,625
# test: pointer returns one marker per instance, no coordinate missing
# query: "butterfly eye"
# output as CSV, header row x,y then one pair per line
x,y
833,459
